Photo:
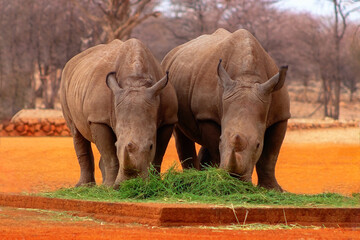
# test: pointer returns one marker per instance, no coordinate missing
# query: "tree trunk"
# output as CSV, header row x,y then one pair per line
x,y
30,93
326,97
44,71
337,83
351,96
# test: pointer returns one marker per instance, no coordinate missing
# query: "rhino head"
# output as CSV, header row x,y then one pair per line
x,y
136,110
245,107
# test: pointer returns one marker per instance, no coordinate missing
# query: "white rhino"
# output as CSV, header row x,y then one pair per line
x,y
116,95
237,110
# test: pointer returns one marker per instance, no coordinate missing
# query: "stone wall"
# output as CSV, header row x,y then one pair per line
x,y
303,124
35,127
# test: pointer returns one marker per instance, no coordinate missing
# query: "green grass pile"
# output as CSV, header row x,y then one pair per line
x,y
213,186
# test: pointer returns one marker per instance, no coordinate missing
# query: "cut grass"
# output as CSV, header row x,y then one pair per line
x,y
214,186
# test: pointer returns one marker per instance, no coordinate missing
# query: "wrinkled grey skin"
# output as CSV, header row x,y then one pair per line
x,y
117,96
237,110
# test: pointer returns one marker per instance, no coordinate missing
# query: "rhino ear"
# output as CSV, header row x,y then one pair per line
x,y
223,77
274,83
112,83
160,85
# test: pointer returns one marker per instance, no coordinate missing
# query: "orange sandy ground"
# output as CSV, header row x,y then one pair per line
x,y
46,225
47,163
38,164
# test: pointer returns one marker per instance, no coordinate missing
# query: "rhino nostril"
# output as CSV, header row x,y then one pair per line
x,y
151,146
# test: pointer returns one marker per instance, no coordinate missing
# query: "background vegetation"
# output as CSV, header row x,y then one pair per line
x,y
39,36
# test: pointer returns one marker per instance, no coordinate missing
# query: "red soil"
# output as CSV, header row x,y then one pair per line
x,y
38,164
45,225
47,163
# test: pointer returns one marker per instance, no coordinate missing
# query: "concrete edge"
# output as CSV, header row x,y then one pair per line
x,y
155,214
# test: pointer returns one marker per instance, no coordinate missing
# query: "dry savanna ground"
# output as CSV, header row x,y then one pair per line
x,y
311,161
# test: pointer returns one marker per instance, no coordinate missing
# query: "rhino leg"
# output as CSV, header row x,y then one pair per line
x,y
265,167
105,139
162,141
85,158
209,154
186,150
102,169
205,157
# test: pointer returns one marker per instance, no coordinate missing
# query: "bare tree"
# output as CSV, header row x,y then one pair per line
x,y
189,19
327,58
341,14
350,63
39,36
115,19
16,57
312,53
30,43
56,43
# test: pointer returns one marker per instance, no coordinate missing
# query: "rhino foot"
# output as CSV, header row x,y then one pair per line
x,y
85,184
271,186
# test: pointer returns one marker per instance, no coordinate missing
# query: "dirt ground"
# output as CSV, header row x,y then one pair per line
x,y
35,224
311,161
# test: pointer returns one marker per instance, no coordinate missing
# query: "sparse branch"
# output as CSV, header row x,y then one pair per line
x,y
86,12
141,6
343,20
121,8
352,10
133,22
105,11
118,17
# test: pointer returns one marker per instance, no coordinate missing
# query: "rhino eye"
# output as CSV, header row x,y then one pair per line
x,y
151,146
257,145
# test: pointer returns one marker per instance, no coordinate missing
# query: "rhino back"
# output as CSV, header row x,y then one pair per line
x,y
86,98
84,94
136,66
193,71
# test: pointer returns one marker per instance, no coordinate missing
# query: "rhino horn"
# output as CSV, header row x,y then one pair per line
x,y
127,161
240,143
224,78
113,84
233,161
274,83
160,85
131,147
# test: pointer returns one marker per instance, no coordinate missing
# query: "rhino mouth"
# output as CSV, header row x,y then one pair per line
x,y
241,177
131,172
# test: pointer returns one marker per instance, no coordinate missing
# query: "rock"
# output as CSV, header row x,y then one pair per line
x,y
39,134
19,127
59,121
10,127
46,127
37,127
65,133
